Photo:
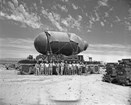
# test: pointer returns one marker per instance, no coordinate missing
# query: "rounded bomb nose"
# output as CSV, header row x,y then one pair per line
x,y
85,45
40,43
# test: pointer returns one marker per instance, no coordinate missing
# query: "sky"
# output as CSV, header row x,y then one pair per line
x,y
104,24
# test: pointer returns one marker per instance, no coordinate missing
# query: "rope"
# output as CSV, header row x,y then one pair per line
x,y
49,46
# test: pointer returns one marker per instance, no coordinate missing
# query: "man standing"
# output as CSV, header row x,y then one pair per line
x,y
54,68
37,68
87,70
80,68
74,67
62,67
46,68
66,68
70,68
50,68
42,68
58,68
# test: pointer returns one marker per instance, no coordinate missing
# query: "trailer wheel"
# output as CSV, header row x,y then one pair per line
x,y
29,71
96,70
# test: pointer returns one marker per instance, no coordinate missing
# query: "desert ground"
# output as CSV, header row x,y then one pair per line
x,y
60,90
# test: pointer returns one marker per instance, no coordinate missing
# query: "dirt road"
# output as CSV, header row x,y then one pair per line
x,y
60,90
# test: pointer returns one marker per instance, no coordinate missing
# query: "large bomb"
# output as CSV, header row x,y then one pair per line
x,y
59,43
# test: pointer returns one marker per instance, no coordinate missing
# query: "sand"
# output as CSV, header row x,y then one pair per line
x,y
60,90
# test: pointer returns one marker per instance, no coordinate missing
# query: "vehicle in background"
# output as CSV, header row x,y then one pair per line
x,y
111,74
26,66
119,73
93,67
11,66
124,72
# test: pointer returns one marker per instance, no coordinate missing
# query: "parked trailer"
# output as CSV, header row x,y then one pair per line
x,y
27,69
27,66
93,69
110,75
124,75
119,73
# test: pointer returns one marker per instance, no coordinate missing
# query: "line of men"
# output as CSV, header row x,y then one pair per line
x,y
61,68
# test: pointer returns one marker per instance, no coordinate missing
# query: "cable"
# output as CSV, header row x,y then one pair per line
x,y
61,48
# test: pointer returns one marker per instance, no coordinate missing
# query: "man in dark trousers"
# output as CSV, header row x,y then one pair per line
x,y
62,67
50,68
42,67
37,68
58,68
66,68
70,68
74,67
46,68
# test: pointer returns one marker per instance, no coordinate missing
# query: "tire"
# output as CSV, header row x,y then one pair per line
x,y
96,70
29,71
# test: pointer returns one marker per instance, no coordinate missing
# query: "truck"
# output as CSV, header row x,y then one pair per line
x,y
111,74
119,73
124,72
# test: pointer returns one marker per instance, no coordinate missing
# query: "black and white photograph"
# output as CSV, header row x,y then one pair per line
x,y
65,52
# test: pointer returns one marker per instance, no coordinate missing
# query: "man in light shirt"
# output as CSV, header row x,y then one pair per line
x,y
41,67
70,68
37,68
50,68
62,67
66,68
58,68
46,68
74,67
